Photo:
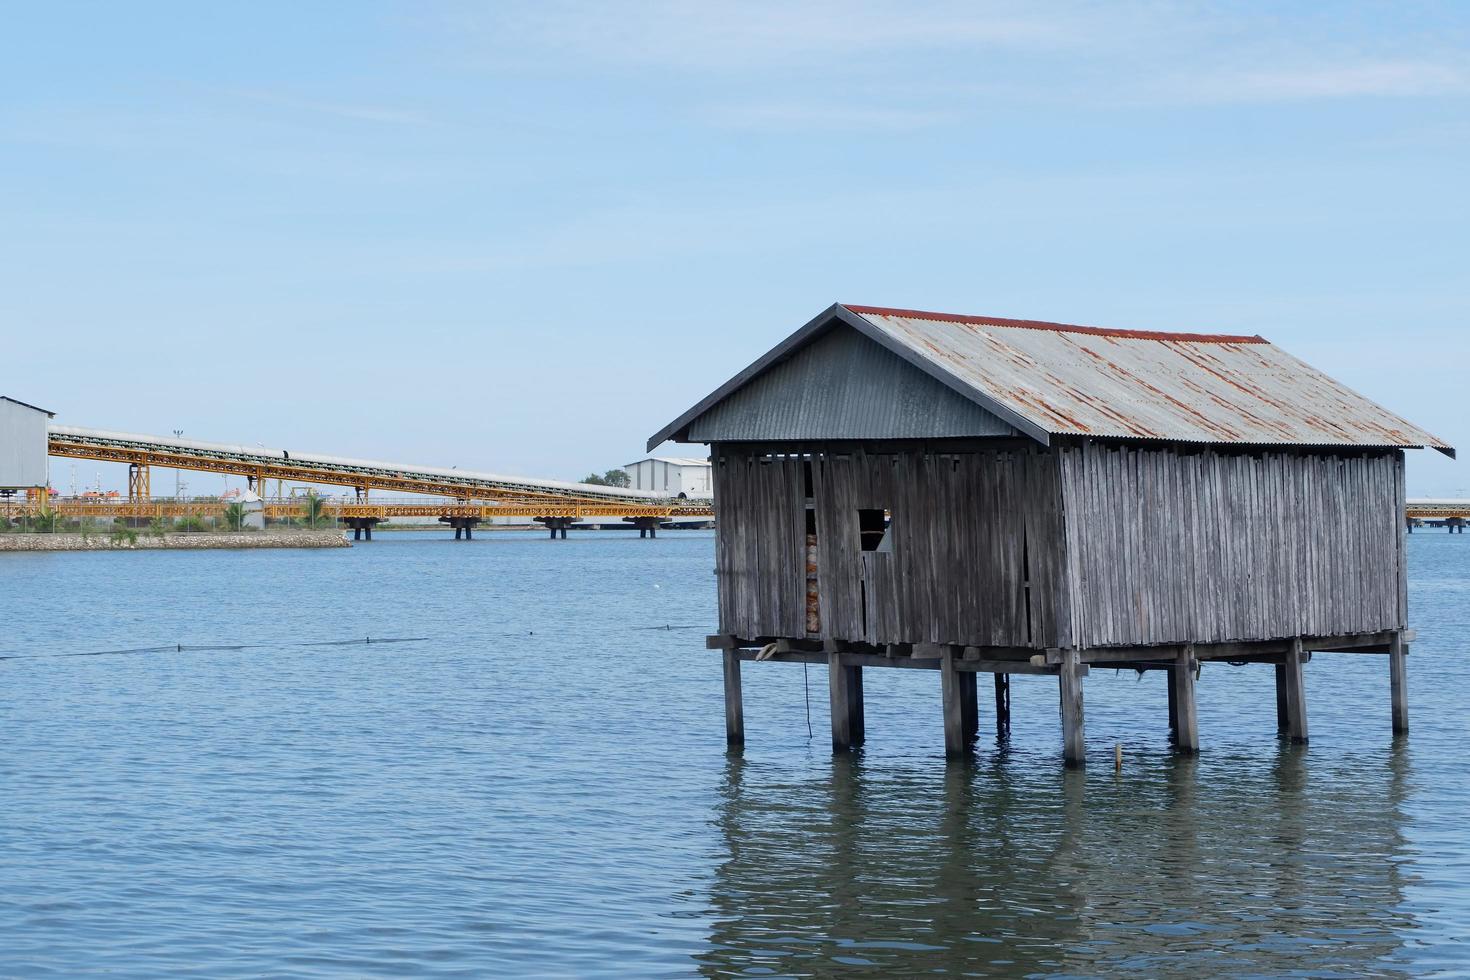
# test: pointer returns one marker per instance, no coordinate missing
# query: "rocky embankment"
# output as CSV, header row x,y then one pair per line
x,y
147,542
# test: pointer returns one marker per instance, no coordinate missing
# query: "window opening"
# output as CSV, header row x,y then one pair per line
x,y
873,527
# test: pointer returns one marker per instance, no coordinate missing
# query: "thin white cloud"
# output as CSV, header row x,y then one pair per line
x,y
1300,82
724,36
361,112
827,117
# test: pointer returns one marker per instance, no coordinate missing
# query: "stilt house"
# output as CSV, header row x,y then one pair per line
x,y
980,495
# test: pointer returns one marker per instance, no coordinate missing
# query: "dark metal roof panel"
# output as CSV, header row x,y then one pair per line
x,y
842,385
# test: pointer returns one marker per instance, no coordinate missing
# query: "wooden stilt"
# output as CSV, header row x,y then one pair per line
x,y
954,712
1002,704
734,706
1282,723
839,689
969,705
1296,695
1181,681
1074,751
1173,705
856,729
1398,676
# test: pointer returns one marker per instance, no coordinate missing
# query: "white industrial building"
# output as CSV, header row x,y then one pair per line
x,y
677,476
22,444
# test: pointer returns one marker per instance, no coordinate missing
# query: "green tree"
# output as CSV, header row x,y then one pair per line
x,y
122,534
612,478
315,511
235,516
157,528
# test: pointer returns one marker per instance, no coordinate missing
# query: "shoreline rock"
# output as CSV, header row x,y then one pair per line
x,y
328,538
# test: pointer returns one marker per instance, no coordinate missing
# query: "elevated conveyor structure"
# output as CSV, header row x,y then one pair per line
x,y
519,495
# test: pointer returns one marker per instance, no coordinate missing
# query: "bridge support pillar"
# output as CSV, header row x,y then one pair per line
x,y
464,527
557,525
362,527
647,526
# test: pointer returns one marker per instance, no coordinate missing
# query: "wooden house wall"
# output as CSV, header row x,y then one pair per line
x,y
1168,547
976,546
760,543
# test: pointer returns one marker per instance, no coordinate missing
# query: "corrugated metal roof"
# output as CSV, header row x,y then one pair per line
x,y
672,460
1050,379
1184,387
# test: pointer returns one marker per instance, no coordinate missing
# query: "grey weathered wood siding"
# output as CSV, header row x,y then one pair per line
x,y
1170,547
977,546
760,544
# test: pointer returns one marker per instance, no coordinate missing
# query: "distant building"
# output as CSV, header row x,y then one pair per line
x,y
22,444
673,475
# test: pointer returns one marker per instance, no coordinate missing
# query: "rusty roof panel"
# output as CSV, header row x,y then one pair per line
x,y
1186,387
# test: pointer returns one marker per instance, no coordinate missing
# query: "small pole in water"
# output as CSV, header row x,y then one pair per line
x,y
368,640
1118,757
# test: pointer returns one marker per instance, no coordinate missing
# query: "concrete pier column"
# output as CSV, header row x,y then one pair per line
x,y
357,532
1398,676
457,532
367,532
469,530
1074,747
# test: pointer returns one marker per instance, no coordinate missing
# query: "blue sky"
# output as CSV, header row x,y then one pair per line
x,y
521,237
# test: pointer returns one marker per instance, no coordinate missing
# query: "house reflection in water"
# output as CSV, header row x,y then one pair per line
x,y
1210,866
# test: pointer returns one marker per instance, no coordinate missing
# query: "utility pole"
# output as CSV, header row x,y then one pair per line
x,y
178,434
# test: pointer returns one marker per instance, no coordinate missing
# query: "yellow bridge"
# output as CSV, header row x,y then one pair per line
x,y
464,497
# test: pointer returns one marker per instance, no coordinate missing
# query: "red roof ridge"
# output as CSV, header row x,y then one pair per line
x,y
1197,338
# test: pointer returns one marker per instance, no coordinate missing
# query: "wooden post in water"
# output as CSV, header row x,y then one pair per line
x,y
856,729
734,706
1074,750
1002,704
969,704
1282,715
1181,682
1296,695
1173,690
954,709
839,690
1398,652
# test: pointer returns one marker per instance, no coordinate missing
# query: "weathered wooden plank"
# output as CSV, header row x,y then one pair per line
x,y
1283,712
1296,695
1074,749
955,742
1186,721
1398,673
734,706
839,696
969,704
